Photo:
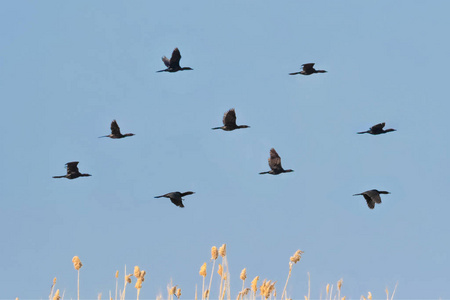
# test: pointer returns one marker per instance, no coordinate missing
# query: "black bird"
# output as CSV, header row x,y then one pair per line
x,y
275,164
372,197
308,69
377,129
176,197
173,64
72,171
229,121
115,132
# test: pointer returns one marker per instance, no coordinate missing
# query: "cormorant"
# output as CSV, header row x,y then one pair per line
x,y
372,197
308,69
377,129
229,121
275,164
173,65
176,197
115,132
72,171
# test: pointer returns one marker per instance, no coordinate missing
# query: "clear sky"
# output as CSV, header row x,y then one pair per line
x,y
68,68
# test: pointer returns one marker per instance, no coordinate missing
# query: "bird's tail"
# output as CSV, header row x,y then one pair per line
x,y
321,71
216,128
59,176
362,132
357,194
265,172
160,71
159,196
294,73
103,136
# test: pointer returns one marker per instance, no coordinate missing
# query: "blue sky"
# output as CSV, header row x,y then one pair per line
x,y
67,69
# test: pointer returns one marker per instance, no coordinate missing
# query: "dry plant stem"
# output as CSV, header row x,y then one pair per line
x,y
203,288
228,280
125,283
210,280
221,284
117,283
138,291
395,288
78,285
287,279
331,291
309,287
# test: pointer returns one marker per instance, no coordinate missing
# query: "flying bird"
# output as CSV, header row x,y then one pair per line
x,y
173,64
229,121
176,197
377,129
372,197
275,164
115,132
72,171
308,69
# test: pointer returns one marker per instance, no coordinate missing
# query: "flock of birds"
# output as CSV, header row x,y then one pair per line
x,y
229,124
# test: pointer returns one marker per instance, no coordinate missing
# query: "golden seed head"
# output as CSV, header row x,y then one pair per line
x,y
54,281
225,276
220,270
223,250
172,290
138,283
306,298
243,274
369,296
56,296
245,291
254,284
205,294
343,298
137,272
363,297
296,257
214,253
178,293
117,274
328,288
339,284
76,263
128,278
203,270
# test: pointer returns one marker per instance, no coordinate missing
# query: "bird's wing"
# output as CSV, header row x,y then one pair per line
x,y
374,195
378,126
175,59
166,61
274,160
72,167
370,202
307,67
186,193
115,129
177,202
229,118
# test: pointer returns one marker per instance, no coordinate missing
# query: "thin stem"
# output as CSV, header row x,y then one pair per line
x,y
392,297
287,279
210,279
309,287
78,285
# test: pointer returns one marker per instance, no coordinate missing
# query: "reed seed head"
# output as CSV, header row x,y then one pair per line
x,y
77,263
128,278
220,270
172,290
117,274
369,296
343,298
254,284
137,272
339,284
214,253
56,296
245,291
243,274
223,250
328,288
138,283
178,293
205,294
54,281
203,270
296,257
